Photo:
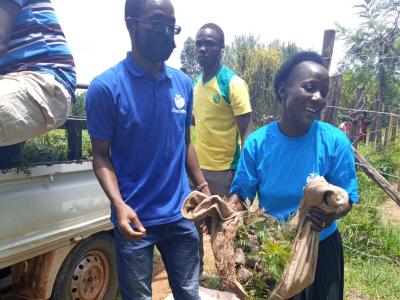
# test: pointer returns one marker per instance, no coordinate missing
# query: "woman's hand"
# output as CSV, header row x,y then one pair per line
x,y
320,219
236,203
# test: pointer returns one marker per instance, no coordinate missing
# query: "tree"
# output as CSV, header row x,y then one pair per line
x,y
188,59
375,45
259,75
360,77
257,65
286,48
78,108
239,53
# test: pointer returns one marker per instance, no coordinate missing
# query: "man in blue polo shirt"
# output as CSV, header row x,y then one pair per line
x,y
139,115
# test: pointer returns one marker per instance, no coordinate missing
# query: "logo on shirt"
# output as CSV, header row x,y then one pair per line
x,y
179,104
310,177
216,98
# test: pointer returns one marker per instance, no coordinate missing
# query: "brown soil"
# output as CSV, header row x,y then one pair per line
x,y
352,296
391,213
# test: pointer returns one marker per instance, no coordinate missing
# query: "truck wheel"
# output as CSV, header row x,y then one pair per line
x,y
89,271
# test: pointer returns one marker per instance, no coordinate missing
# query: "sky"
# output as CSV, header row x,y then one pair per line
x,y
98,38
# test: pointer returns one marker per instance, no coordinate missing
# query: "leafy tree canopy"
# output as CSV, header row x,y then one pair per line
x,y
188,59
78,108
373,49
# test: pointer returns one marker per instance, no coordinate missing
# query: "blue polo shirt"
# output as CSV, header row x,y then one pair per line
x,y
278,168
145,121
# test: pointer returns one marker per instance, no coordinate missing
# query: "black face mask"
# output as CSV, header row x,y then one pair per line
x,y
155,46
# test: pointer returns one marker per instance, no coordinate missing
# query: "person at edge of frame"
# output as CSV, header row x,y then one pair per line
x,y
37,75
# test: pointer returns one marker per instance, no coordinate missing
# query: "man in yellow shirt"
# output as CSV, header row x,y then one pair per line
x,y
221,111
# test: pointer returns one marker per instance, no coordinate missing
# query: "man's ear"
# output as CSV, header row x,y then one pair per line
x,y
129,23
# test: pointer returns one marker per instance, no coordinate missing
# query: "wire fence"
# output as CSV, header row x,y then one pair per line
x,y
379,130
381,127
371,255
365,110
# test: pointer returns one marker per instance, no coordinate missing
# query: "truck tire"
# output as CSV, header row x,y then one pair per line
x,y
89,272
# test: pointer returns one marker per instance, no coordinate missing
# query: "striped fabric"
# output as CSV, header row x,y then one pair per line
x,y
38,44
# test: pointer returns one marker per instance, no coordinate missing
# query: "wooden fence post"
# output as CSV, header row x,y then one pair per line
x,y
356,117
372,135
327,47
378,140
396,121
388,129
329,114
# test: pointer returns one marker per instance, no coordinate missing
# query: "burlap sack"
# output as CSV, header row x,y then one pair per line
x,y
224,225
300,270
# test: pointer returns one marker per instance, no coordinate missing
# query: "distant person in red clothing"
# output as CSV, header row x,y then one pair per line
x,y
345,127
348,124
363,127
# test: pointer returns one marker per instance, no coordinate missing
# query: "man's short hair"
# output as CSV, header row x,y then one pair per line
x,y
288,66
217,29
133,8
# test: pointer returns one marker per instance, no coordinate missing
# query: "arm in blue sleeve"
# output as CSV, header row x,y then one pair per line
x,y
100,110
343,170
246,178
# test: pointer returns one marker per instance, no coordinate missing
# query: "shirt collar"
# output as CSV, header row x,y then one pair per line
x,y
216,74
138,71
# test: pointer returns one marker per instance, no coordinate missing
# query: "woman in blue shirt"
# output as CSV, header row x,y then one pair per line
x,y
278,160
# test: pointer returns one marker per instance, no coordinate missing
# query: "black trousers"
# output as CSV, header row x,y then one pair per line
x,y
329,275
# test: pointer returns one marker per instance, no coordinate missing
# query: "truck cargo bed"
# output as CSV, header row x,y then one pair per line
x,y
53,206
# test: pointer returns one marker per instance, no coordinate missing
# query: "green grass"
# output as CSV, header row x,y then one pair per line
x,y
372,279
372,249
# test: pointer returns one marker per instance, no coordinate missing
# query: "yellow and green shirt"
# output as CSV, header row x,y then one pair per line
x,y
216,104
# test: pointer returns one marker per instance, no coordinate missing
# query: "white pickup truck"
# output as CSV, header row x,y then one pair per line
x,y
55,232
